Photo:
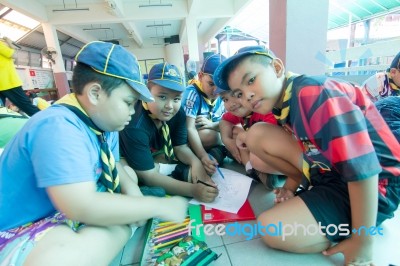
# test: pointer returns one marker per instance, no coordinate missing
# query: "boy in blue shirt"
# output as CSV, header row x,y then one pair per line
x,y
348,156
156,138
204,110
65,199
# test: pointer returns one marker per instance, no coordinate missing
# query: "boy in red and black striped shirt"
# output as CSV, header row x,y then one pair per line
x,y
348,155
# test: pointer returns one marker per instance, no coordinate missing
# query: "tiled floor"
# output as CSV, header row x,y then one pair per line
x,y
237,251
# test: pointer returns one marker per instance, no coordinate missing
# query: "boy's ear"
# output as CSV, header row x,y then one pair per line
x,y
278,66
93,93
200,75
393,71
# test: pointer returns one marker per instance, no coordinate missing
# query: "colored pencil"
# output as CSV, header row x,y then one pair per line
x,y
216,166
162,224
170,236
166,244
170,227
171,232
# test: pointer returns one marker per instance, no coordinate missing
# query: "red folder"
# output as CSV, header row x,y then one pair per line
x,y
211,216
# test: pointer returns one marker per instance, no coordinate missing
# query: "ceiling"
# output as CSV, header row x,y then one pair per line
x,y
133,23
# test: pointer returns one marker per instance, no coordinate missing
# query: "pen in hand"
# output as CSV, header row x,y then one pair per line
x,y
204,183
216,166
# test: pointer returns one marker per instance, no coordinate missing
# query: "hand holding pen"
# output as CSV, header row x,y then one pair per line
x,y
205,192
216,166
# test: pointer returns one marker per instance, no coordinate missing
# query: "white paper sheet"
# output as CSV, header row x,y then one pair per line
x,y
233,191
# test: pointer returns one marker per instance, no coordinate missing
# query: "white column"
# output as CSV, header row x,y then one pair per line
x,y
191,31
298,33
174,56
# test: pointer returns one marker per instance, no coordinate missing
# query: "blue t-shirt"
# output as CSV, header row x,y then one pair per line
x,y
53,148
194,105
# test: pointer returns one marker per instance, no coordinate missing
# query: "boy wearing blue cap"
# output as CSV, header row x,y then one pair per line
x,y
157,136
204,110
348,154
66,200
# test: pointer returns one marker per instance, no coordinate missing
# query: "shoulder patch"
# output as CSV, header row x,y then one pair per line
x,y
189,104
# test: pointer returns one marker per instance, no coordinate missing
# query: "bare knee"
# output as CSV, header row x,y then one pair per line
x,y
271,232
260,135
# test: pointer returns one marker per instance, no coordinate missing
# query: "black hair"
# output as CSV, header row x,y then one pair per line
x,y
150,85
84,74
255,58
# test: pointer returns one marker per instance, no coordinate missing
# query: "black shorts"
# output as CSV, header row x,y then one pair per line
x,y
328,201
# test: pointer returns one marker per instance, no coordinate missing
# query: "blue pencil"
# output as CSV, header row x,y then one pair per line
x,y
219,170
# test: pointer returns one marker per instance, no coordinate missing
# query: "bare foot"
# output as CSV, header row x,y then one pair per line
x,y
282,194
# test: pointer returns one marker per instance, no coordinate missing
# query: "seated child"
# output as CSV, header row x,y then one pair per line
x,y
65,199
233,127
384,84
348,154
204,110
389,108
157,134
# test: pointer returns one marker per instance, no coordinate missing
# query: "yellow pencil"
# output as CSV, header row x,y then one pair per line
x,y
167,243
170,227
162,224
170,233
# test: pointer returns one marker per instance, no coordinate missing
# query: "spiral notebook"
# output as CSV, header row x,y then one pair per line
x,y
211,215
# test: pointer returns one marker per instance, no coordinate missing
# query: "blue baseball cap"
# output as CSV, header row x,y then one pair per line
x,y
167,76
220,76
211,63
114,60
396,62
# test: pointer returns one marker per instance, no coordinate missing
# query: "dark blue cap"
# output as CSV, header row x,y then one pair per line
x,y
211,63
114,60
396,62
167,76
222,85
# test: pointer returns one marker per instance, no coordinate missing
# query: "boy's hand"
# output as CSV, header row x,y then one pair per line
x,y
241,140
209,164
357,251
198,172
205,193
174,209
202,122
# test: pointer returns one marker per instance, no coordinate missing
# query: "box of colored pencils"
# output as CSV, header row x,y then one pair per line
x,y
163,236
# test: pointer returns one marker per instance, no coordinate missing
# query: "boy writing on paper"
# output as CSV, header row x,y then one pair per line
x,y
65,199
348,154
204,110
157,136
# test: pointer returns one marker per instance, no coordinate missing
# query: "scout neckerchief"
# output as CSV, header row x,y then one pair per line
x,y
246,121
210,103
168,148
282,115
109,175
395,90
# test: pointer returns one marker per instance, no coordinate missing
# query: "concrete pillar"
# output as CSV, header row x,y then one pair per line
x,y
191,31
174,56
60,77
298,33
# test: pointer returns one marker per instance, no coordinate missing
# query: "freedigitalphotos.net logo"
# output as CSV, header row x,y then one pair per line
x,y
281,230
